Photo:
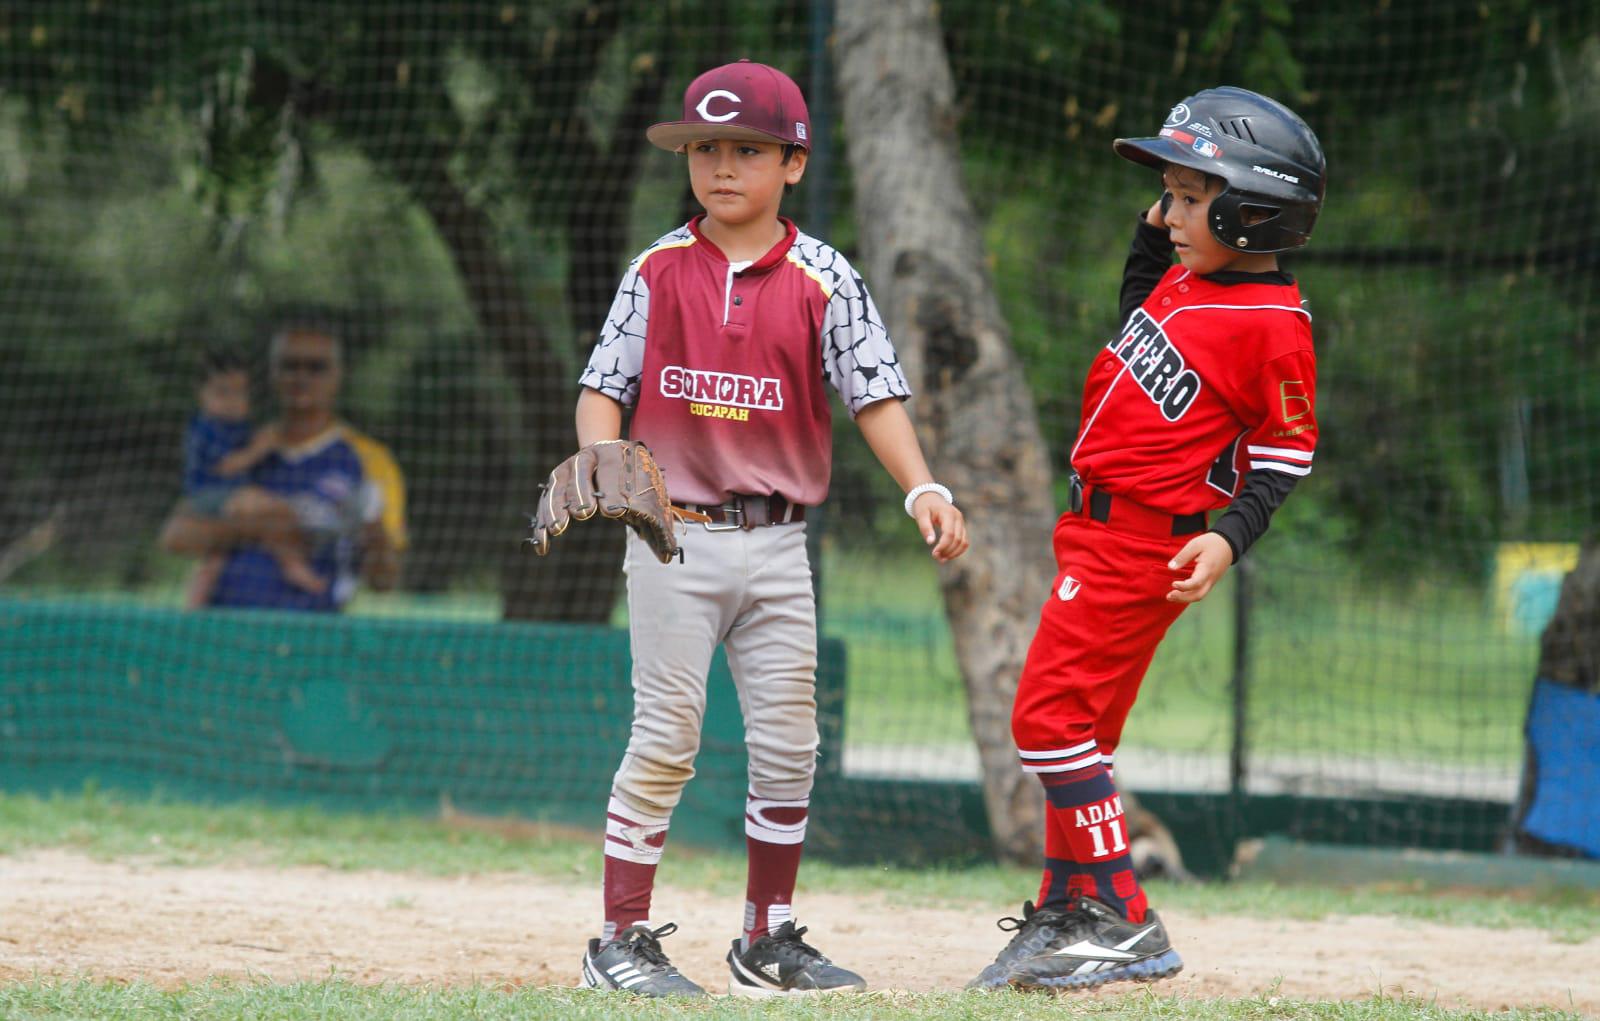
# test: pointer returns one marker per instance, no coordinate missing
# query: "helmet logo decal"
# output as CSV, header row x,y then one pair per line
x,y
1179,115
1203,146
1273,173
704,108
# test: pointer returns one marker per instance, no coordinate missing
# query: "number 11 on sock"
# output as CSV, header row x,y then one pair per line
x,y
1118,842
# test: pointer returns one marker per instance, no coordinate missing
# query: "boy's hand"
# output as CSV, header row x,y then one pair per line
x,y
1156,215
942,525
1212,557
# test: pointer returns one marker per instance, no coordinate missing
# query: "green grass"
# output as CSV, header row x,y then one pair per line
x,y
336,1000
177,833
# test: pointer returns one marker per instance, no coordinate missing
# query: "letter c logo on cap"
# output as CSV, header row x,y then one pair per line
x,y
704,111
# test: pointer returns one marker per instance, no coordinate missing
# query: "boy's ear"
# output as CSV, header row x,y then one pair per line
x,y
795,168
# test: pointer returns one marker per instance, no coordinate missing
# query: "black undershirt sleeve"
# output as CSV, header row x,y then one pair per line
x,y
1149,258
1247,518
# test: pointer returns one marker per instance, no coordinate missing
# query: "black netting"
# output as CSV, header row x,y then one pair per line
x,y
454,188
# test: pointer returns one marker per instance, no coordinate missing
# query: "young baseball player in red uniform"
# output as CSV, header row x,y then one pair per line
x,y
724,338
1204,400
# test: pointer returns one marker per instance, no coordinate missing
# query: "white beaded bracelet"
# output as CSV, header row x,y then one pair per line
x,y
926,487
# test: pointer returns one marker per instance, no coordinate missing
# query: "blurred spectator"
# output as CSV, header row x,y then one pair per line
x,y
343,492
219,450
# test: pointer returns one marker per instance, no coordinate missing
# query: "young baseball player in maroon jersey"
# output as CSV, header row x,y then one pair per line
x,y
1204,400
724,339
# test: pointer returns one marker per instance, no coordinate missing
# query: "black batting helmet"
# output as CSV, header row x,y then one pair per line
x,y
1267,157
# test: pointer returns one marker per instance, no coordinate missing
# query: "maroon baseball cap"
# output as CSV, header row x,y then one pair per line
x,y
741,100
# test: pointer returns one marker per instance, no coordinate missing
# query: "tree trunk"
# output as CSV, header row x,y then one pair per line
x,y
597,222
1569,649
923,255
579,580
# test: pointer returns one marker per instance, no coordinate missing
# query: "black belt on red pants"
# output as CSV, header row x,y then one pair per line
x,y
1129,516
749,512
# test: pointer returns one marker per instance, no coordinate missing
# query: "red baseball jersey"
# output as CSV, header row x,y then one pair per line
x,y
727,365
1205,382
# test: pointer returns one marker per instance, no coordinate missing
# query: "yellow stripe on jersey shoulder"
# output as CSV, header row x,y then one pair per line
x,y
382,470
662,246
808,270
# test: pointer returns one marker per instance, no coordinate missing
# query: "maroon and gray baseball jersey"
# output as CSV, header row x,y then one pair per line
x,y
1210,378
727,365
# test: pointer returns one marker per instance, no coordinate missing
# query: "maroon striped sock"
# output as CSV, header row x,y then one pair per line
x,y
775,833
634,842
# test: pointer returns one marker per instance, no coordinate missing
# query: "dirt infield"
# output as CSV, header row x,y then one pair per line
x,y
64,914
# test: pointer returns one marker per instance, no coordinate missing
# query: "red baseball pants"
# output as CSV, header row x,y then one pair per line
x,y
1097,633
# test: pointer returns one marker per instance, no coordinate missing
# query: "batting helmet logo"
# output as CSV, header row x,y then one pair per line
x,y
1178,116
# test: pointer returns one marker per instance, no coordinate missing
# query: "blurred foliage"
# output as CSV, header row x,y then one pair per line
x,y
172,175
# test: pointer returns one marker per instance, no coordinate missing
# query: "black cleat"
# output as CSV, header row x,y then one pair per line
x,y
782,964
634,963
1036,931
1095,947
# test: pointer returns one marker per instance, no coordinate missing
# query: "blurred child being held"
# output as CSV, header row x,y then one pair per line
x,y
220,449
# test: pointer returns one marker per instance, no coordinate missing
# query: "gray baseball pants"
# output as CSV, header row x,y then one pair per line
x,y
750,591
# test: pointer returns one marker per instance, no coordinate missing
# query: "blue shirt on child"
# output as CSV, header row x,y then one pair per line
x,y
207,441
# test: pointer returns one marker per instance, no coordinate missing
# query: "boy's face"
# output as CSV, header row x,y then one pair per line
x,y
1188,221
226,395
740,182
1189,224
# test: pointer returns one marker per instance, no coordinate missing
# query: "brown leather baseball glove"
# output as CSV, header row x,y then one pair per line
x,y
619,479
